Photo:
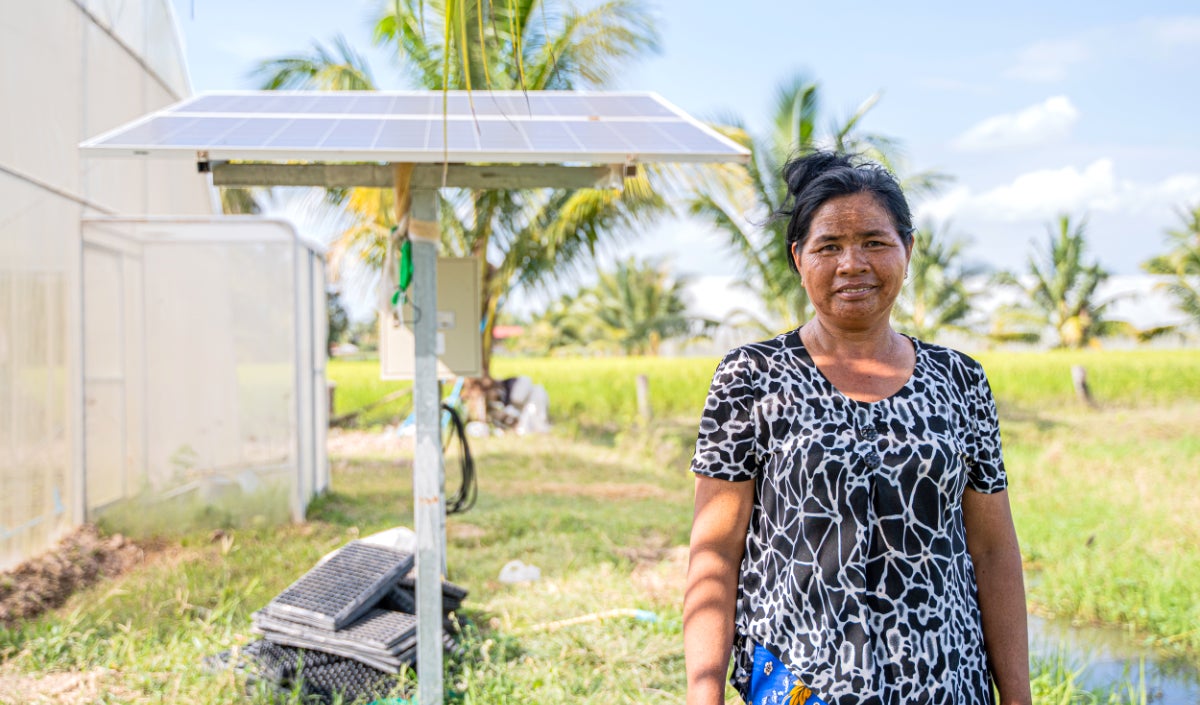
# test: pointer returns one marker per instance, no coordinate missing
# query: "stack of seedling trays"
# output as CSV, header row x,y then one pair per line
x,y
347,624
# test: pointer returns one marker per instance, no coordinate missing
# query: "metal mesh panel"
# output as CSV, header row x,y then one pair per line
x,y
335,593
381,633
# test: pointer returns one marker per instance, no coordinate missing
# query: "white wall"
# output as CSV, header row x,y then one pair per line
x,y
69,70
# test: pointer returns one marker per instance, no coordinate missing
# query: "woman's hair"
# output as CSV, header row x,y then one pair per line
x,y
818,177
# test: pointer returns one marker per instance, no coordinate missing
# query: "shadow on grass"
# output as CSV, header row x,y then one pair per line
x,y
1043,420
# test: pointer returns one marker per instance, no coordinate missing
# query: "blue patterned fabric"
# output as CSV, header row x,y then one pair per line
x,y
771,683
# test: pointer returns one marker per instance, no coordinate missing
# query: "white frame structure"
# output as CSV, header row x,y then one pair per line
x,y
160,440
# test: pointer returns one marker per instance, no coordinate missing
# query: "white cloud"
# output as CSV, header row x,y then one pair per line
x,y
1047,121
1049,61
944,207
1179,190
1174,31
1044,193
1040,195
1147,39
718,296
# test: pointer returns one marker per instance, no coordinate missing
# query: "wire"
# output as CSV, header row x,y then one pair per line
x,y
464,499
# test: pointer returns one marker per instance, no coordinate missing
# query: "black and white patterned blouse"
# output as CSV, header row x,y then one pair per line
x,y
856,572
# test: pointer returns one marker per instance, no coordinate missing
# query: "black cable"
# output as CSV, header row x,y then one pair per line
x,y
464,499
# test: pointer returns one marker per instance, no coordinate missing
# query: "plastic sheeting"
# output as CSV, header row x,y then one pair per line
x,y
204,387
36,488
109,62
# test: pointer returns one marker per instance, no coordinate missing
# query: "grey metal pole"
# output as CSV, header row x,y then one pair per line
x,y
428,493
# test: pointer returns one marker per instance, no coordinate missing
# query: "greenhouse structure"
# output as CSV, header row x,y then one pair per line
x,y
154,356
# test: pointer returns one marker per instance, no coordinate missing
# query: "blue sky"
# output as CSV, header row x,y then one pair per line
x,y
1036,108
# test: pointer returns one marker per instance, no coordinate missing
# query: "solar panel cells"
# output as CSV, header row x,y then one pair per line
x,y
545,136
599,136
253,132
460,135
353,134
403,135
299,134
155,131
510,127
502,136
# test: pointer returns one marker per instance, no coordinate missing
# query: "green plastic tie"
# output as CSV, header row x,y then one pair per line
x,y
404,273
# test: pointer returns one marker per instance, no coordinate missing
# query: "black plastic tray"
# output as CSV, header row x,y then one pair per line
x,y
337,592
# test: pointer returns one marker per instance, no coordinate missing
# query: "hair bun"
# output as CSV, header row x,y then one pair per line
x,y
802,171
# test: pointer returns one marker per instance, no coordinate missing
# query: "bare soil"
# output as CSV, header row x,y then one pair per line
x,y
343,443
61,688
80,559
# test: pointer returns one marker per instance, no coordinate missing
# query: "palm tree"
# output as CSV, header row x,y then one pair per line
x,y
1062,288
937,297
239,201
739,199
525,237
563,326
338,69
1182,263
639,305
514,44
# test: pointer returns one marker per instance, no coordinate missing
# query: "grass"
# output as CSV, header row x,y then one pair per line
x,y
359,386
1109,519
1103,501
1117,378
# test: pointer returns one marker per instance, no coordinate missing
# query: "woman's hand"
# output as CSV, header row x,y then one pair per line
x,y
719,524
992,542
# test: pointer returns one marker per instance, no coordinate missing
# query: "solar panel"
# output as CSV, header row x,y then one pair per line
x,y
499,127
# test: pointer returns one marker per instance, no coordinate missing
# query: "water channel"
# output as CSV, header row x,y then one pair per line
x,y
1110,657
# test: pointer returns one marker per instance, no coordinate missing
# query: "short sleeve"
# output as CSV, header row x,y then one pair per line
x,y
725,443
985,458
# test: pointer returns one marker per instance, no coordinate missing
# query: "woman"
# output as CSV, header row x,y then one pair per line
x,y
852,540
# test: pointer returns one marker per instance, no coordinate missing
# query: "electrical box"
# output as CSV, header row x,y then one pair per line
x,y
459,339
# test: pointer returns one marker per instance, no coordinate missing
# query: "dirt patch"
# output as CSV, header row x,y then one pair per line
x,y
598,490
343,443
80,559
462,531
650,548
663,581
54,688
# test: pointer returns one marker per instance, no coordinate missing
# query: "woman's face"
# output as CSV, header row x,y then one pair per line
x,y
853,262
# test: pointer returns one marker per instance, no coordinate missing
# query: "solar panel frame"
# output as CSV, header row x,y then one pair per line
x,y
500,127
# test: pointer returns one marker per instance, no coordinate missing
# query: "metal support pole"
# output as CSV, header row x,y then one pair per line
x,y
428,484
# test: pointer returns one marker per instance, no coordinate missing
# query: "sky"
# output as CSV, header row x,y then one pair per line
x,y
1034,108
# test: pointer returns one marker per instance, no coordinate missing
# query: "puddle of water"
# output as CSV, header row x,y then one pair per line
x,y
1110,657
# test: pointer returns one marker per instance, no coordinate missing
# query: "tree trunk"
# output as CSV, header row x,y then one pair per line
x,y
643,398
479,392
1079,380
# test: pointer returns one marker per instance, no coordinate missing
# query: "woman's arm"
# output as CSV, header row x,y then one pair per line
x,y
719,525
992,543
